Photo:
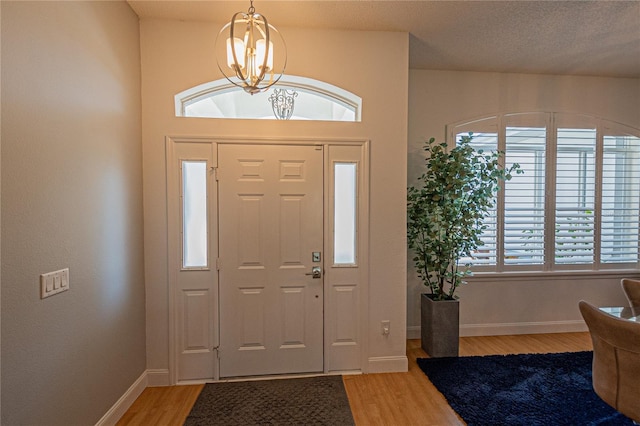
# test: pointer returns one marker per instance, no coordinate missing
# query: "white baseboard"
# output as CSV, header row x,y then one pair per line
x,y
148,378
388,364
122,405
158,377
522,328
501,329
413,332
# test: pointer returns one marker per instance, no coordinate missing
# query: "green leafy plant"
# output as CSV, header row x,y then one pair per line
x,y
445,212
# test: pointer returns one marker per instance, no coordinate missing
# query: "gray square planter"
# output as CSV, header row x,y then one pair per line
x,y
440,326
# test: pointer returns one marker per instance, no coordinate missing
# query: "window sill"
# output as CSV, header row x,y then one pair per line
x,y
528,275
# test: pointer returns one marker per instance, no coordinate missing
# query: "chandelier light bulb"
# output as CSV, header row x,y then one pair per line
x,y
238,47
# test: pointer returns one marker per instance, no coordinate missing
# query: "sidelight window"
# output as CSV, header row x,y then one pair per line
x,y
194,214
345,196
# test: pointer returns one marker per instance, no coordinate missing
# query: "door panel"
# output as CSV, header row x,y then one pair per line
x,y
196,320
270,222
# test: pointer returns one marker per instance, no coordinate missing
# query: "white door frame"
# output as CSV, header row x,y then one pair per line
x,y
346,288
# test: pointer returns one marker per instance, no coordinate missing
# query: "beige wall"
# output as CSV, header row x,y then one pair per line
x,y
71,197
177,55
494,305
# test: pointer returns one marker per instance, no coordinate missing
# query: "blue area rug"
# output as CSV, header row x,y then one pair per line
x,y
531,389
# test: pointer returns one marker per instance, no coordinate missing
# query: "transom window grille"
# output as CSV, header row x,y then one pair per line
x,y
577,204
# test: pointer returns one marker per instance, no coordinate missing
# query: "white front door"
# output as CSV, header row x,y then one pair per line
x,y
271,237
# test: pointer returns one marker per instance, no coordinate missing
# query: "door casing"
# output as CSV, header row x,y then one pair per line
x,y
346,287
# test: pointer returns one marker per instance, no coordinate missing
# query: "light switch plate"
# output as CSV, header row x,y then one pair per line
x,y
54,282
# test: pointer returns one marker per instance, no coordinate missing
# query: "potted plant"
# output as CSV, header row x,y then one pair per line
x,y
445,215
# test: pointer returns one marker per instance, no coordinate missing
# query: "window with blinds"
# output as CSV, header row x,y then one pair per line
x,y
524,196
485,254
577,204
620,199
575,196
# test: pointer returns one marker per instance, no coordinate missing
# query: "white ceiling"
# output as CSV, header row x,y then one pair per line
x,y
599,38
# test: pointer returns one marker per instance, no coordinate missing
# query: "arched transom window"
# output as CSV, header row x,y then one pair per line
x,y
314,100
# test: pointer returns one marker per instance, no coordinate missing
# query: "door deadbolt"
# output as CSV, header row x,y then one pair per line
x,y
316,272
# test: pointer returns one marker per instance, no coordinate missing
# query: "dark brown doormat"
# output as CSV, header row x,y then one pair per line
x,y
305,401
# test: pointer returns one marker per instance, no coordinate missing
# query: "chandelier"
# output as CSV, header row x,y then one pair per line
x,y
245,52
282,101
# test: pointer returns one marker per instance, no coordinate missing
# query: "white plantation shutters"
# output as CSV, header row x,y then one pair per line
x,y
620,199
524,204
487,253
577,204
575,196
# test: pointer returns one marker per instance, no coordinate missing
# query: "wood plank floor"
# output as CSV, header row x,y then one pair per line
x,y
376,399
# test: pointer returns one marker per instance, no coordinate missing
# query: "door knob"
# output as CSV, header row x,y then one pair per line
x,y
316,272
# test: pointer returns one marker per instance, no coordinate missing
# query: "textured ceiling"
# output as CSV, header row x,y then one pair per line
x,y
545,37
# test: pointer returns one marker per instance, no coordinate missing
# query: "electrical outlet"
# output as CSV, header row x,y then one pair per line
x,y
54,282
386,327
